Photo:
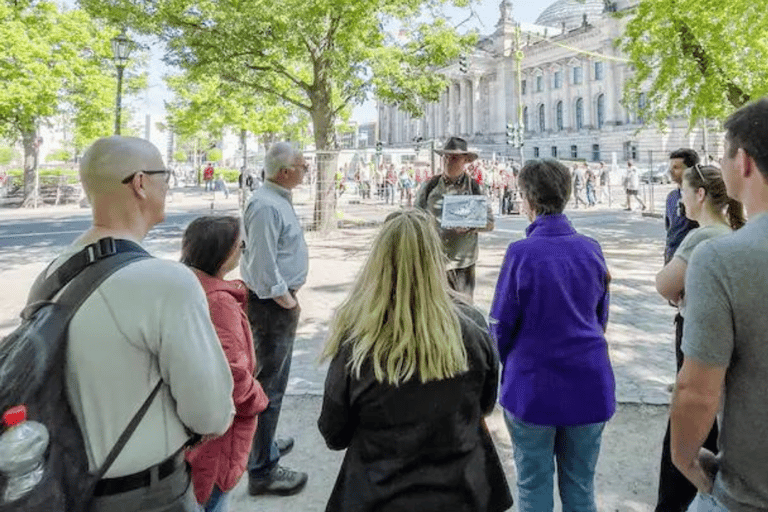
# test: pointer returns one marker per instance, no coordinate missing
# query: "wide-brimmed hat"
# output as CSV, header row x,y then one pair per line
x,y
457,146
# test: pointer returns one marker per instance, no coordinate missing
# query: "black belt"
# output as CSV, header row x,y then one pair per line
x,y
109,486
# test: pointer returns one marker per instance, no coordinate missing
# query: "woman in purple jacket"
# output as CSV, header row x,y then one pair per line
x,y
549,316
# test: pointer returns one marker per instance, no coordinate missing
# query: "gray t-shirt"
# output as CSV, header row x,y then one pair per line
x,y
689,243
726,326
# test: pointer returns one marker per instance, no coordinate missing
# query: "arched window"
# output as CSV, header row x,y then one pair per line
x,y
579,114
542,119
600,111
559,114
525,118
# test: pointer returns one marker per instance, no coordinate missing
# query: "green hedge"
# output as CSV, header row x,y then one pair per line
x,y
229,175
47,176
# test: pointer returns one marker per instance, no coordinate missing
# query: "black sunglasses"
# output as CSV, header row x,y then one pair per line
x,y
167,173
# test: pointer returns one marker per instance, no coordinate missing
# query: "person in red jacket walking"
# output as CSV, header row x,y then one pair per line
x,y
211,246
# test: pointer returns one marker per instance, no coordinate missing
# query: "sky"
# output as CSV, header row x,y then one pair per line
x,y
487,14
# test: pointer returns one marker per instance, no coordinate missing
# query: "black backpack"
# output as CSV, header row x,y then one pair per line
x,y
32,372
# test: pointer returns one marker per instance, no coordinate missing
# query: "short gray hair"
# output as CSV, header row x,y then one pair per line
x,y
546,184
280,156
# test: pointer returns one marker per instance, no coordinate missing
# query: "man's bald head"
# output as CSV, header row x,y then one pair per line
x,y
110,160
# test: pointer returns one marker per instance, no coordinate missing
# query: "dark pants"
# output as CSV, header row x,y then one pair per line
x,y
463,280
274,329
675,491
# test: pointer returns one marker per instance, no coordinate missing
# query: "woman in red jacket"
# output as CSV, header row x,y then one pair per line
x,y
212,247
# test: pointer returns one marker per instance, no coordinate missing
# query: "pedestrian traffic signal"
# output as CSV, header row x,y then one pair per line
x,y
379,147
510,133
463,63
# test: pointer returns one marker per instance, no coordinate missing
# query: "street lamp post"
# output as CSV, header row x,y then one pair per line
x,y
121,50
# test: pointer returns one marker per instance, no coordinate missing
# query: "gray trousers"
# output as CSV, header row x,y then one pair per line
x,y
173,493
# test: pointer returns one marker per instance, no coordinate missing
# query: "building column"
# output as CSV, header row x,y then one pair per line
x,y
475,105
609,77
499,118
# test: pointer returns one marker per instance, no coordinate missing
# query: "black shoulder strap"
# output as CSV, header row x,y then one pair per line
x,y
429,185
474,187
47,286
127,433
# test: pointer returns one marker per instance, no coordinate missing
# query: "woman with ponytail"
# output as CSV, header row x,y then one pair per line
x,y
705,200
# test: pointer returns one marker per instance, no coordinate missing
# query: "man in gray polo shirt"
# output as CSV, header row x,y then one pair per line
x,y
274,266
724,339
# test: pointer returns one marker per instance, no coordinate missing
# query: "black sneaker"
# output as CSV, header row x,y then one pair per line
x,y
284,445
281,482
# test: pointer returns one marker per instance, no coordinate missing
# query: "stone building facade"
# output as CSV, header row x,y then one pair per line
x,y
568,93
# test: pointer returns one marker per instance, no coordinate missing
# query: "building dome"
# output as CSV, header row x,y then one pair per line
x,y
571,12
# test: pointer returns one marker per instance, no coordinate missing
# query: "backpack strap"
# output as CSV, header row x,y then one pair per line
x,y
127,433
428,187
47,286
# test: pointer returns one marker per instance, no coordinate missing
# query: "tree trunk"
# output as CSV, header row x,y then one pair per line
x,y
31,146
327,160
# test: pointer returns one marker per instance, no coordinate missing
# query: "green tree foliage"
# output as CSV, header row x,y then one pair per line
x,y
699,57
7,155
59,155
180,156
52,61
214,155
318,56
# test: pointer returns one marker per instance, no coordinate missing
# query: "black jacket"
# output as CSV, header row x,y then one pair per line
x,y
417,447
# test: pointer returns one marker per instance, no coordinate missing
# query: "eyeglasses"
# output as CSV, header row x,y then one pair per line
x,y
167,173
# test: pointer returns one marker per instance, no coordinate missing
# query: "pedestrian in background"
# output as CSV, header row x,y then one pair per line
x,y
413,371
589,177
632,186
212,246
208,177
548,317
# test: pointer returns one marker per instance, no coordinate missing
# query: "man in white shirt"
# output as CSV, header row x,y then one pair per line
x,y
274,266
147,322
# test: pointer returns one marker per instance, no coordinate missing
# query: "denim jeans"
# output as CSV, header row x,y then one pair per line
x,y
706,503
218,501
538,447
274,329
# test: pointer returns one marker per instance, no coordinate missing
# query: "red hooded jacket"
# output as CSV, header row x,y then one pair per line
x,y
223,460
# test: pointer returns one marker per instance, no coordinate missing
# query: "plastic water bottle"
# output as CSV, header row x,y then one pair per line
x,y
22,453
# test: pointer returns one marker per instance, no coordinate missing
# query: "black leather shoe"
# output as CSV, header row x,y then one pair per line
x,y
284,445
281,482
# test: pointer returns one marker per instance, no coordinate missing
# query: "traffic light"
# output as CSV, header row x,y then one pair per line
x,y
463,63
518,136
511,133
418,141
379,147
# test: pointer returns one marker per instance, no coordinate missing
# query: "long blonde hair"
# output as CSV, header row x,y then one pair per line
x,y
399,313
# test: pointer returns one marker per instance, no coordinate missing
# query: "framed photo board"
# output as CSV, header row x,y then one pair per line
x,y
464,211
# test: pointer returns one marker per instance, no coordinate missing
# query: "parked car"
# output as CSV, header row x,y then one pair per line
x,y
660,175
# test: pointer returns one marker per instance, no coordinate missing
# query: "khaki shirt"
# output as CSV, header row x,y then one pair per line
x,y
460,248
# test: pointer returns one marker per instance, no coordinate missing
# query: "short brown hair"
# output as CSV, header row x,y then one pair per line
x,y
208,241
546,184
